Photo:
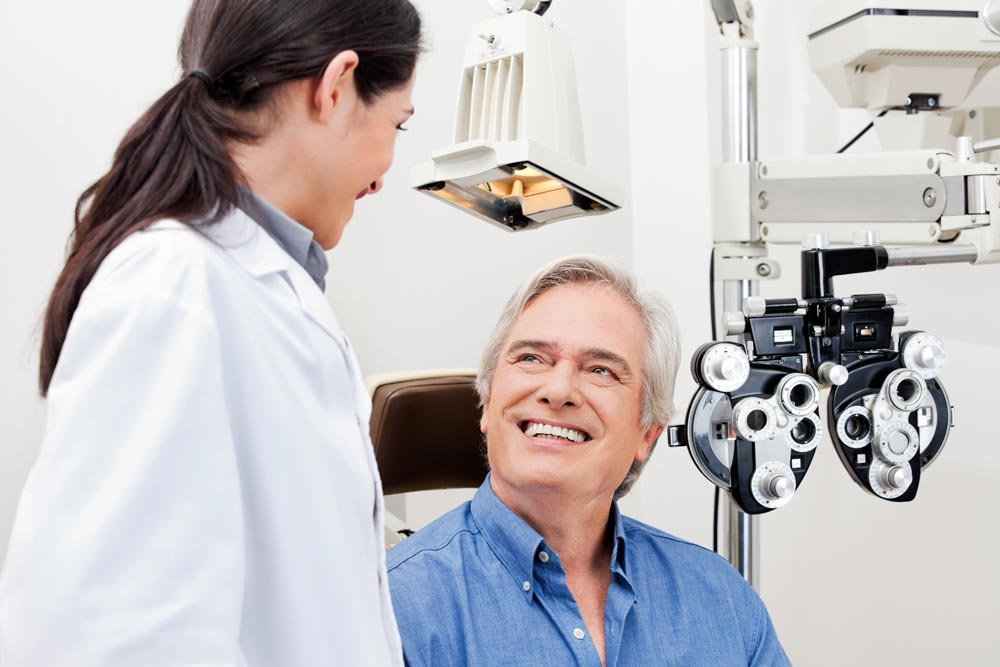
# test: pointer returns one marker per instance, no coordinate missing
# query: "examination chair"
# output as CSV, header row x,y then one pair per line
x,y
425,431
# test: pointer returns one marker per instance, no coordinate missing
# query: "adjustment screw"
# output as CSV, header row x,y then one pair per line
x,y
867,238
762,200
930,197
815,242
763,270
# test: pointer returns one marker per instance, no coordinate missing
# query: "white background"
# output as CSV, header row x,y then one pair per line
x,y
848,579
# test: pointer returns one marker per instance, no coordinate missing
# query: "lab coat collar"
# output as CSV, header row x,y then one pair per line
x,y
291,236
260,255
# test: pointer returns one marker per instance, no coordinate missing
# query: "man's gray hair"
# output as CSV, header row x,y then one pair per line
x,y
662,350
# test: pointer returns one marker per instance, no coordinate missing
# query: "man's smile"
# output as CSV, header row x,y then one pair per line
x,y
553,431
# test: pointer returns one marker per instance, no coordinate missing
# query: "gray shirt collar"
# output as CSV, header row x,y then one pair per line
x,y
293,238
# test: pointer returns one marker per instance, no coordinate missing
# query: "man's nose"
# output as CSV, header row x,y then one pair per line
x,y
375,186
559,387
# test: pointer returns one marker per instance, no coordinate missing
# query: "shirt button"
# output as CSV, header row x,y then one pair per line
x,y
578,633
543,556
526,585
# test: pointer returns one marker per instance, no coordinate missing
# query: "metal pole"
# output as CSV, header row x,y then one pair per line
x,y
957,254
739,103
739,541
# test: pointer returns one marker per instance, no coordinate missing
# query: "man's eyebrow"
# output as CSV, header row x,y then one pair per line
x,y
526,344
410,111
600,354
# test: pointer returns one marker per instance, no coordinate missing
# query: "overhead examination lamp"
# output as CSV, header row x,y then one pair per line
x,y
518,157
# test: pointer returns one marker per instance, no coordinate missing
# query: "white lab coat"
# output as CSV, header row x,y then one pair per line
x,y
206,493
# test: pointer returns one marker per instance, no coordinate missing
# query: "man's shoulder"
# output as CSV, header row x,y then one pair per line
x,y
693,559
637,531
706,585
440,540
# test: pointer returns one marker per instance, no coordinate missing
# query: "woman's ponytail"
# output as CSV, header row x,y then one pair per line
x,y
173,163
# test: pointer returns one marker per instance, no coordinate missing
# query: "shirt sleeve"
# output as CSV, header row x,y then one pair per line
x,y
128,545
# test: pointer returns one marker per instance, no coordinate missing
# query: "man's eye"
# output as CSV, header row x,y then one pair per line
x,y
401,128
530,358
604,371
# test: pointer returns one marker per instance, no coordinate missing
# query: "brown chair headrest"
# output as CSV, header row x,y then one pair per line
x,y
425,431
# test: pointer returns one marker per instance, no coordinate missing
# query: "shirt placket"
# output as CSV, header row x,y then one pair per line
x,y
617,607
554,595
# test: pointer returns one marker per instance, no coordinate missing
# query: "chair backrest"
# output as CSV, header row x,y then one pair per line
x,y
425,430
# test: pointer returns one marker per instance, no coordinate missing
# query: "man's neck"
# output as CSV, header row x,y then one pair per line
x,y
576,528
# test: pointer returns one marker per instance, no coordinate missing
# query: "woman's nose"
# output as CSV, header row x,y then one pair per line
x,y
375,186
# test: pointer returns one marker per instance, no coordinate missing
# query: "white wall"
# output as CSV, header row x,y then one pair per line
x,y
849,579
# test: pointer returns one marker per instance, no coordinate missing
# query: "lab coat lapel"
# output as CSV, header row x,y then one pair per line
x,y
314,304
260,255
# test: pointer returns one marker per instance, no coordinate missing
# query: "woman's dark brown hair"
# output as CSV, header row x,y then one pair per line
x,y
175,161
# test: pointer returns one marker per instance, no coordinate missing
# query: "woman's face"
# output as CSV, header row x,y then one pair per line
x,y
356,151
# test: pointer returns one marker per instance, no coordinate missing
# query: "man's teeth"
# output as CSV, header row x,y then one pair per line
x,y
570,434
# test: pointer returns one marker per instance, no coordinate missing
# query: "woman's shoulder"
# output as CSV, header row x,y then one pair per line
x,y
163,247
166,259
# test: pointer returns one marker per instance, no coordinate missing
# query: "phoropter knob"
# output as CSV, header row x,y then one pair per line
x,y
831,373
778,487
899,477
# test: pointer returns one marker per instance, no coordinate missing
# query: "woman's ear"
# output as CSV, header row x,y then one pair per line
x,y
336,88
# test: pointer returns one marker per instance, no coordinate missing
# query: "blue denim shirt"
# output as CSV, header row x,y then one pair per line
x,y
480,587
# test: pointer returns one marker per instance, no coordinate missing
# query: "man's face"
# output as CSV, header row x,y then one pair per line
x,y
565,400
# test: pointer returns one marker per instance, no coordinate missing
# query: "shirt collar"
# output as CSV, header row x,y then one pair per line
x,y
293,238
619,548
516,544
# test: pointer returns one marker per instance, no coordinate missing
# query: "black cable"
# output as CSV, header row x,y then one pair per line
x,y
862,132
715,522
711,307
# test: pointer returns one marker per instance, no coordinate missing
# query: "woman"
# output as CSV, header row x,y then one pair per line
x,y
206,491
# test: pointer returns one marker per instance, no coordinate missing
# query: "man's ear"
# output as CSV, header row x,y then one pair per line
x,y
648,441
482,417
336,87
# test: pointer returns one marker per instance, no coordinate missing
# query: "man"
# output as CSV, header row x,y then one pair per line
x,y
540,568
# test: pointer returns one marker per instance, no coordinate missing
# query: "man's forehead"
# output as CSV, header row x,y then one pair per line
x,y
585,319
